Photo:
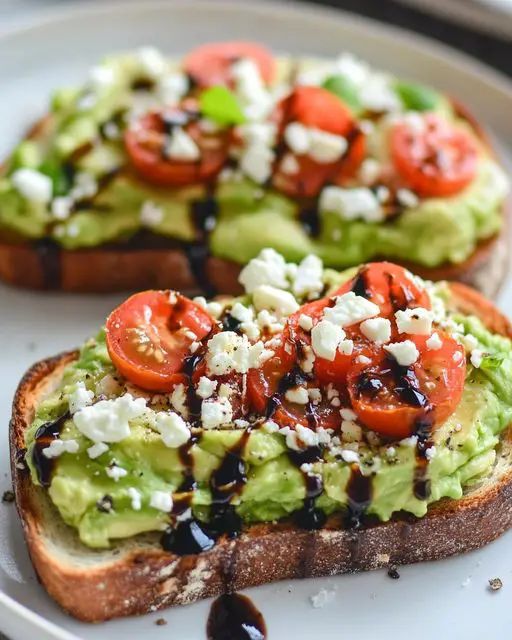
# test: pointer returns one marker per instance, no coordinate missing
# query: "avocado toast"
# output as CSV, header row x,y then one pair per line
x,y
157,173
321,423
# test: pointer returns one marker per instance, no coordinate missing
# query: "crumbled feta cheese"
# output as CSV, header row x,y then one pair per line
x,y
348,414
100,77
115,472
258,133
390,452
351,204
322,598
405,353
297,395
370,171
296,136
322,146
308,279
161,500
108,420
280,302
269,267
241,424
152,61
179,400
289,164
135,498
315,395
325,339
181,146
349,456
225,391
97,450
469,341
32,185
376,329
306,436
215,309
434,342
270,426
416,321
172,87
80,398
350,309
305,322
250,89
430,452
227,351
457,356
173,429
407,198
216,413
61,207
308,359
414,121
477,355
267,321
206,387
242,313
351,431
85,186
346,347
151,214
256,162
57,447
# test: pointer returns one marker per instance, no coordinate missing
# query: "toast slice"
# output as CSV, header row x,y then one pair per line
x,y
136,576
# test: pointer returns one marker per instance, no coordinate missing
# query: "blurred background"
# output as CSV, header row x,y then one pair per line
x,y
482,28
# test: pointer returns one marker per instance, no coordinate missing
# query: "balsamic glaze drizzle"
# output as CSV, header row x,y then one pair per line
x,y
44,435
233,616
48,253
359,496
360,286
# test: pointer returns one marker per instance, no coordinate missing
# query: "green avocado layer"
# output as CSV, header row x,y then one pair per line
x,y
250,217
465,451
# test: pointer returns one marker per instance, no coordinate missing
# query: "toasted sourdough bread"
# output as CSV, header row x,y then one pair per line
x,y
136,576
118,268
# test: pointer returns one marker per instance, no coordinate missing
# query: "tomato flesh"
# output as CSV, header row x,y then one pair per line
x,y
145,143
437,160
150,334
210,64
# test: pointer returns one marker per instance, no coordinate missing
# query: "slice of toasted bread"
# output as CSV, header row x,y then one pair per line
x,y
44,265
136,576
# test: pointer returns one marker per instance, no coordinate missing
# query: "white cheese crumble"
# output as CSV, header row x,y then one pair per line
x,y
350,456
370,171
434,342
346,347
351,204
32,185
97,450
376,329
305,322
282,303
477,355
57,447
108,420
227,351
172,87
151,214
135,498
161,500
308,279
346,414
322,146
268,268
216,413
172,428
179,400
242,313
289,164
350,309
206,387
256,162
351,431
297,395
80,398
181,146
116,473
61,207
416,321
325,339
405,353
322,598
250,89
407,198
152,61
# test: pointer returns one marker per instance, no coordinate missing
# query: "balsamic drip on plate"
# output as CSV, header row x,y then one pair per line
x,y
44,436
233,616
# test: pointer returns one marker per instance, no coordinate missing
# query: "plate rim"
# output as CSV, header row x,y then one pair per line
x,y
39,19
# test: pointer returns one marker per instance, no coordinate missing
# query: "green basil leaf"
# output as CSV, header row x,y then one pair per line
x,y
221,105
344,89
417,97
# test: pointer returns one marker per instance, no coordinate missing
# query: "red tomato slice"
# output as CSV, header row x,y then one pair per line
x,y
438,161
145,142
318,108
393,400
149,336
387,285
210,64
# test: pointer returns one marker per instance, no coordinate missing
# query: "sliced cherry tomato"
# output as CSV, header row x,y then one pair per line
x,y
439,159
317,108
145,142
387,285
395,401
210,64
149,336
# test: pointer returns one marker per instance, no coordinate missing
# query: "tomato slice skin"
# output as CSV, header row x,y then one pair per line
x,y
387,285
149,336
144,141
318,108
393,400
209,64
439,161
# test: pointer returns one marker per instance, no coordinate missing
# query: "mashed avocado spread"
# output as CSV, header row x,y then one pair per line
x,y
75,184
121,488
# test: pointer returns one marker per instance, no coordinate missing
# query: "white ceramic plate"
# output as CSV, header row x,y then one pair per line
x,y
429,600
